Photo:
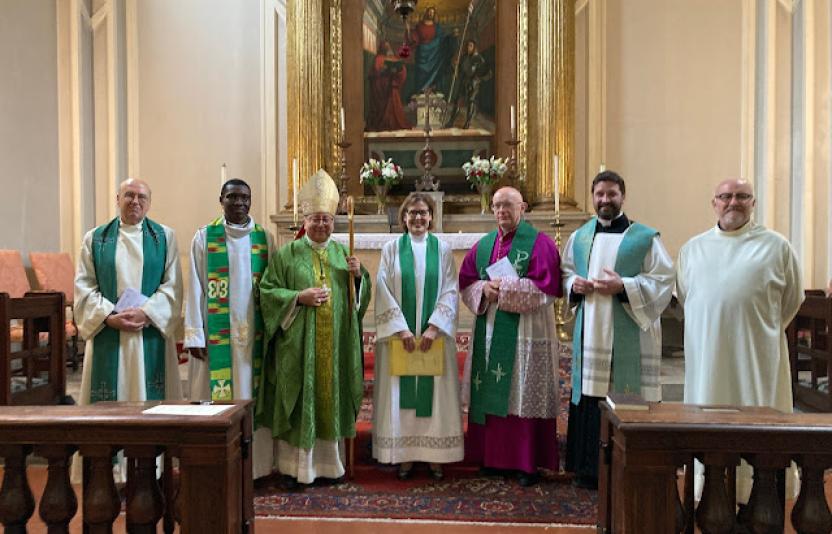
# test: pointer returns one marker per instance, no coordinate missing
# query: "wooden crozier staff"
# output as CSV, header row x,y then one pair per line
x,y
351,441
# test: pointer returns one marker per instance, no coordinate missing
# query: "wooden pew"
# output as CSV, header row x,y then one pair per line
x,y
34,373
642,453
810,352
215,493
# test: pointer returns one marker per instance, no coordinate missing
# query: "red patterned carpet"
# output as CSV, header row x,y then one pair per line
x,y
463,495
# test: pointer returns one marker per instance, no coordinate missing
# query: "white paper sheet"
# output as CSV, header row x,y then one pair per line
x,y
503,270
130,298
188,409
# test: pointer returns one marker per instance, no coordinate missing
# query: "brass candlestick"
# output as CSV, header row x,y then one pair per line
x,y
427,182
515,177
563,313
344,178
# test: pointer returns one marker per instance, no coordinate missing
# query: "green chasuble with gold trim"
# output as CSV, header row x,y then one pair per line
x,y
313,373
218,302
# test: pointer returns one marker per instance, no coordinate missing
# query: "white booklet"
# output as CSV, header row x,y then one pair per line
x,y
502,269
130,298
188,409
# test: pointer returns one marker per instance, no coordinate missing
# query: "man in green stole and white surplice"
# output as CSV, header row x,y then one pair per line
x,y
620,278
313,376
223,326
131,354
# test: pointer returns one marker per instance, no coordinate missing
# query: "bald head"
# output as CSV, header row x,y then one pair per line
x,y
508,207
133,200
733,204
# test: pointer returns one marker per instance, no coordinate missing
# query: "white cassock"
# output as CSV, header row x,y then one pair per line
x,y
740,290
398,435
648,293
241,312
163,308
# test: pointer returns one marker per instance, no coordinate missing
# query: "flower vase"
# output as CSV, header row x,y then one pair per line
x,y
485,197
381,198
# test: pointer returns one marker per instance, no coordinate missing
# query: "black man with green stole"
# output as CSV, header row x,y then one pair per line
x,y
313,376
510,280
223,325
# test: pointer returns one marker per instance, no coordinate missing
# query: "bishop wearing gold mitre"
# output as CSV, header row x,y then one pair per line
x,y
312,383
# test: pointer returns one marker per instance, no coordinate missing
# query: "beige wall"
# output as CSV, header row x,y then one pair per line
x,y
29,218
673,108
198,97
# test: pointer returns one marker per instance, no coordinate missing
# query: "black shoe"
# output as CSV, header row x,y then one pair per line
x,y
436,474
289,483
405,474
528,479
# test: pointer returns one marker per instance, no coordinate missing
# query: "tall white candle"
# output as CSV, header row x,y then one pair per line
x,y
513,121
557,185
223,175
343,128
295,190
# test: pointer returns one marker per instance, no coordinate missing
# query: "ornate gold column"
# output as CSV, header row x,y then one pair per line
x,y
314,84
548,114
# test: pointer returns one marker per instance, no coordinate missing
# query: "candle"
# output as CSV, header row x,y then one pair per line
x,y
513,121
557,186
602,168
295,190
223,175
343,129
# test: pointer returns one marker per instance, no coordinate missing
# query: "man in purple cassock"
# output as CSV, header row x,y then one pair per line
x,y
509,280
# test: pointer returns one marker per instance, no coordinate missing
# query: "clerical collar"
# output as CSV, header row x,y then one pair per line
x,y
616,226
315,244
235,225
419,238
505,235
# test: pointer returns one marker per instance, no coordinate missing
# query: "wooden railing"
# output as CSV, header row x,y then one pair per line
x,y
642,453
214,493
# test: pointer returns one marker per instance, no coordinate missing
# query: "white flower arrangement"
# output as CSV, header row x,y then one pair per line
x,y
480,171
385,172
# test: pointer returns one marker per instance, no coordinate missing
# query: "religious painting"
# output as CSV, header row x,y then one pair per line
x,y
437,68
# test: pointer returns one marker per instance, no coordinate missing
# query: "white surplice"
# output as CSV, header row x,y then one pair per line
x,y
398,435
241,315
740,290
163,308
649,293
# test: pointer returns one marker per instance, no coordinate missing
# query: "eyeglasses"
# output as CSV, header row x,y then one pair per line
x,y
418,213
321,220
741,197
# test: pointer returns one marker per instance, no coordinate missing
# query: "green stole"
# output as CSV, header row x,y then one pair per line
x,y
491,384
626,346
417,392
106,345
219,321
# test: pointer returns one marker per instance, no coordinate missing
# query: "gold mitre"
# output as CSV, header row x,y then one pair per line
x,y
319,195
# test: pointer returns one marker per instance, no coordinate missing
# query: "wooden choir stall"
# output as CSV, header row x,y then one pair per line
x,y
642,453
214,491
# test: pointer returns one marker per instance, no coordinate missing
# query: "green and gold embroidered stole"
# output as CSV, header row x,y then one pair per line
x,y
324,343
106,345
626,349
491,381
219,320
417,392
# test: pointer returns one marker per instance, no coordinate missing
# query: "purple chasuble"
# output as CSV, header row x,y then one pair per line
x,y
515,442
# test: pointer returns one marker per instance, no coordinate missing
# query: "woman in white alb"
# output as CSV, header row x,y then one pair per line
x,y
416,419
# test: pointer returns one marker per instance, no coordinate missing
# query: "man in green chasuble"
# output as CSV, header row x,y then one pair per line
x,y
313,377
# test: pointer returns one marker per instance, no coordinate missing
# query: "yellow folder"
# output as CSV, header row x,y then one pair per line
x,y
417,363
